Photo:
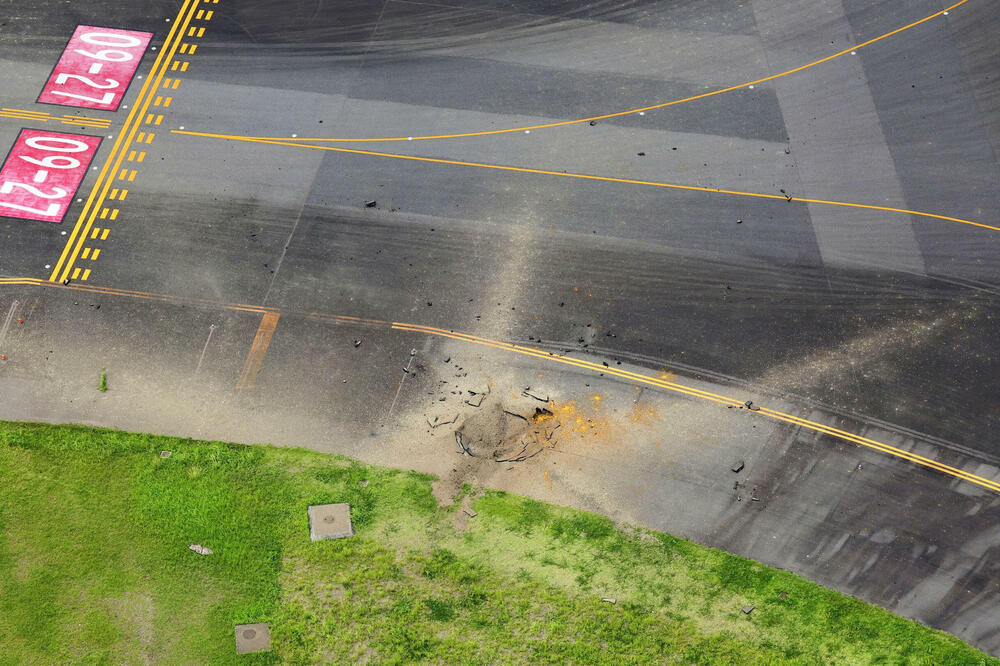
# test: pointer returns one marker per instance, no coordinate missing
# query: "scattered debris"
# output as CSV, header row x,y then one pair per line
x,y
66,281
783,595
461,444
527,393
738,467
541,414
363,483
609,600
165,454
476,400
357,343
437,422
752,407
470,513
370,203
593,122
447,359
200,549
641,154
747,610
753,494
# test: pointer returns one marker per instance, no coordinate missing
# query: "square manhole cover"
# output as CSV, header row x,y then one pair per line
x,y
252,638
330,521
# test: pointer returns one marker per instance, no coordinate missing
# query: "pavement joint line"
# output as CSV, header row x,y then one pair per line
x,y
261,341
750,84
98,192
583,176
648,380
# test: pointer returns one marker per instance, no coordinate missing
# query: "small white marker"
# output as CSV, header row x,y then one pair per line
x,y
527,131
295,136
154,48
111,136
95,68
642,113
47,265
854,53
945,13
78,201
95,168
168,20
751,87
409,138
181,127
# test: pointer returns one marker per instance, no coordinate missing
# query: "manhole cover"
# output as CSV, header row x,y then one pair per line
x,y
252,638
330,521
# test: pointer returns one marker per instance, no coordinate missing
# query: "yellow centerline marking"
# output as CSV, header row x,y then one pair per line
x,y
544,355
74,244
643,109
583,176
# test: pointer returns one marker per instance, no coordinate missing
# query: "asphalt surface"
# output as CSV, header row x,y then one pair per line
x,y
878,322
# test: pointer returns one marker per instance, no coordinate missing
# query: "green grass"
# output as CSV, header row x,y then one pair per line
x,y
95,568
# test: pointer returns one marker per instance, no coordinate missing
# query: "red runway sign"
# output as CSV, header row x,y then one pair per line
x,y
42,172
96,68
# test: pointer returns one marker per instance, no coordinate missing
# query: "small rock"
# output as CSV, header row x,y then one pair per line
x,y
201,550
470,513
609,600
738,467
357,343
641,154
783,595
593,122
370,203
164,454
752,407
747,609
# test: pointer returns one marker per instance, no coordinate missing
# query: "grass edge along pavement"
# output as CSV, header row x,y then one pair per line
x,y
95,567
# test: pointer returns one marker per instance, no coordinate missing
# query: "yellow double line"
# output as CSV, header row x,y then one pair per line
x,y
98,194
551,357
42,117
713,397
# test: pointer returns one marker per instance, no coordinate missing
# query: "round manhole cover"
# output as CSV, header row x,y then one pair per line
x,y
329,519
249,634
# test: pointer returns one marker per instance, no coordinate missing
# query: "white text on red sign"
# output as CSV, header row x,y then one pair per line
x,y
42,172
96,68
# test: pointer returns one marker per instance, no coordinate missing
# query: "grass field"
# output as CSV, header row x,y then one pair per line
x,y
95,568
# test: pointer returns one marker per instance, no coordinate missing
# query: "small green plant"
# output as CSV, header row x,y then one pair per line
x,y
102,385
